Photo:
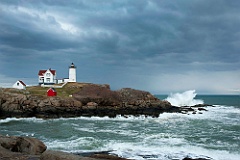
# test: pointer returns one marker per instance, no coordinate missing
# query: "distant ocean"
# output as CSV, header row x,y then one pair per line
x,y
213,134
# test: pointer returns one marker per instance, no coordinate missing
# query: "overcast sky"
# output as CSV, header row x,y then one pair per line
x,y
161,46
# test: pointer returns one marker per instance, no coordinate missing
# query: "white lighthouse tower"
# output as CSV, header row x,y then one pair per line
x,y
72,73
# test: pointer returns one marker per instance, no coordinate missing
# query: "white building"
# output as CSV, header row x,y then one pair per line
x,y
47,77
72,73
19,85
63,80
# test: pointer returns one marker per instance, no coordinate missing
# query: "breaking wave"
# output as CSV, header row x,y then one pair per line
x,y
14,119
184,99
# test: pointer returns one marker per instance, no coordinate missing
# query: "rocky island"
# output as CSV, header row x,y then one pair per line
x,y
82,99
74,99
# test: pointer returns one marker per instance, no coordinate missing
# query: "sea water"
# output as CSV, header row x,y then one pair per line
x,y
214,134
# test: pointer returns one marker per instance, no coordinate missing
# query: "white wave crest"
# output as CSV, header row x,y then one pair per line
x,y
167,151
184,99
14,119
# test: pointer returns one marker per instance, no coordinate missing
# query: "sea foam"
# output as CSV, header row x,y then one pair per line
x,y
184,99
13,119
167,151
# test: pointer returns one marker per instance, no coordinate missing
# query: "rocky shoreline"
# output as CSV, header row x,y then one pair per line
x,y
89,100
28,148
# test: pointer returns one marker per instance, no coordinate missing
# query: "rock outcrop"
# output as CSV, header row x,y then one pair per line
x,y
26,148
188,158
88,100
12,147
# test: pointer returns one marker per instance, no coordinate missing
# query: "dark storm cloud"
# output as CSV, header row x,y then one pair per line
x,y
24,30
136,39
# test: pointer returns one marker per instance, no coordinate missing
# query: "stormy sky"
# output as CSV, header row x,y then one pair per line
x,y
161,46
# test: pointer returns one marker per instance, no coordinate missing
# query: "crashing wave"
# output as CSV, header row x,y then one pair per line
x,y
184,99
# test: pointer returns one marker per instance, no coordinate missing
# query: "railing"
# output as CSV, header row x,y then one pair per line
x,y
54,85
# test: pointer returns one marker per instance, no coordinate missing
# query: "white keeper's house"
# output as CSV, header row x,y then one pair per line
x,y
49,77
19,85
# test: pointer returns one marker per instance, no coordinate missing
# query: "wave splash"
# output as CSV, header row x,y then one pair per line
x,y
184,99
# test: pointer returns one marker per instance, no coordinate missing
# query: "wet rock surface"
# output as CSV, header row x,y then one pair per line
x,y
89,100
188,158
12,147
26,148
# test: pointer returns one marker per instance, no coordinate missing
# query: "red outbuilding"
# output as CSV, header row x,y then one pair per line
x,y
51,92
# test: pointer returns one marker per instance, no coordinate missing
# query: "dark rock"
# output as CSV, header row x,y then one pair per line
x,y
92,104
201,105
187,108
106,157
25,145
132,95
59,155
188,158
101,155
202,109
22,148
100,94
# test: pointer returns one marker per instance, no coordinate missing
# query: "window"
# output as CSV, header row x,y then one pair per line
x,y
48,79
48,74
41,79
17,84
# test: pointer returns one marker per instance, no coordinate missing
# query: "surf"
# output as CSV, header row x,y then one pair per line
x,y
186,98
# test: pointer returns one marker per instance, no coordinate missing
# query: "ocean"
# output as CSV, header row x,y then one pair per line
x,y
214,134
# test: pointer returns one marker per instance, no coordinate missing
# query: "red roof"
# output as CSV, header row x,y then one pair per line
x,y
51,92
22,83
41,72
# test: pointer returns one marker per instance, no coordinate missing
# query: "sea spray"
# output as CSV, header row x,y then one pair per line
x,y
184,99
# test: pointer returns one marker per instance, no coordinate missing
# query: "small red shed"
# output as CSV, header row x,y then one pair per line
x,y
51,92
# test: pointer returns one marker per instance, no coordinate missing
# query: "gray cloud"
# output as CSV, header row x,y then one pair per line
x,y
124,43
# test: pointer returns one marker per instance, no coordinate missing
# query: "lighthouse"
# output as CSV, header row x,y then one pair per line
x,y
72,73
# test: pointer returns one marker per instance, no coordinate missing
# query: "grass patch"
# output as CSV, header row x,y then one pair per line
x,y
66,91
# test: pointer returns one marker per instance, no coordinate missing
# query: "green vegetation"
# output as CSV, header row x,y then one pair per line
x,y
66,91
